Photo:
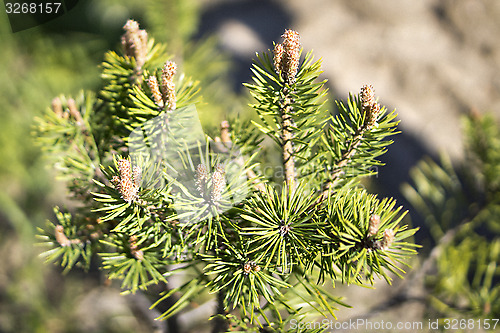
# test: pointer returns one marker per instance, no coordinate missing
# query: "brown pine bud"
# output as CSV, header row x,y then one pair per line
x,y
134,248
218,185
74,112
388,239
247,268
169,95
125,169
155,90
167,84
201,175
369,106
285,229
373,225
133,242
168,71
201,172
138,254
219,167
61,237
127,188
95,235
115,181
135,42
57,107
291,57
137,174
224,132
142,37
278,58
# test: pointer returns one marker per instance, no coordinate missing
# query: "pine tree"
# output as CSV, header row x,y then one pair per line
x,y
157,197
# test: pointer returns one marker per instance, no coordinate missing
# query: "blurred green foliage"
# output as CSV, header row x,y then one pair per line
x,y
36,64
460,202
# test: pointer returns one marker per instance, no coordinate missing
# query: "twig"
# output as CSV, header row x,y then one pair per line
x,y
220,324
346,157
286,136
224,143
140,305
286,63
371,111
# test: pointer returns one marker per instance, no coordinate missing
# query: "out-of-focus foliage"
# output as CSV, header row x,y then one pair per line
x,y
461,204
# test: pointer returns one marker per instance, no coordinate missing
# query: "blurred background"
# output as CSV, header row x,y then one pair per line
x,y
432,60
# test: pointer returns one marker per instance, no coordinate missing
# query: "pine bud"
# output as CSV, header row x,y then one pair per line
x,y
137,174
168,71
115,181
224,132
57,107
291,57
218,185
134,249
155,90
247,268
369,106
220,168
169,95
387,240
201,175
133,242
61,237
285,229
278,58
135,42
373,225
73,111
167,84
127,188
138,254
125,169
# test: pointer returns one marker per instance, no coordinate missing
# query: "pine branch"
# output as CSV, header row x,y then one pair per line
x,y
362,238
370,112
287,146
286,63
289,104
412,289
